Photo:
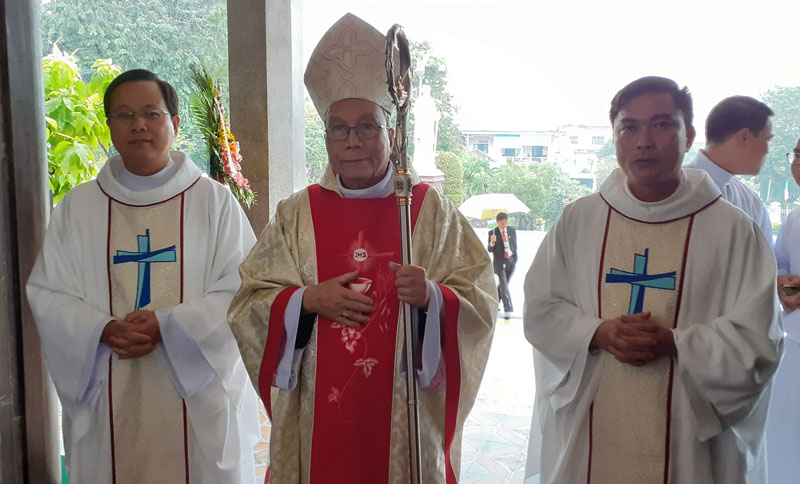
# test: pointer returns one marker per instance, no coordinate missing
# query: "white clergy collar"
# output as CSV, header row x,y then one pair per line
x,y
183,175
378,190
720,175
139,183
695,191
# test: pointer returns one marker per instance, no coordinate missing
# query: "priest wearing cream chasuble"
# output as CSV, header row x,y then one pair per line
x,y
316,318
130,294
652,311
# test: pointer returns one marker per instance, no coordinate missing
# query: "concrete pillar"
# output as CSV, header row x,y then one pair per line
x,y
266,95
29,440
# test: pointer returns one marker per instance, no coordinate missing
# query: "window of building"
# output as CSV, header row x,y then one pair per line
x,y
509,152
573,140
598,140
482,147
539,151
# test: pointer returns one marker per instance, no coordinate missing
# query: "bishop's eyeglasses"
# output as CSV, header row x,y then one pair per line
x,y
339,132
151,115
794,158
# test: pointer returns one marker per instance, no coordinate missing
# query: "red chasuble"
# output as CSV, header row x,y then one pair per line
x,y
355,371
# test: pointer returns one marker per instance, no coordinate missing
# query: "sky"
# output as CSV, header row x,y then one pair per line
x,y
530,65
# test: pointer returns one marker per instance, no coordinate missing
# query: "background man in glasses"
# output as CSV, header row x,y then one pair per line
x,y
317,316
130,294
738,131
783,438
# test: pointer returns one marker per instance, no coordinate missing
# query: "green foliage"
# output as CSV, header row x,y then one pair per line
x,y
224,159
776,174
316,153
543,187
76,124
434,74
453,176
477,175
606,162
163,36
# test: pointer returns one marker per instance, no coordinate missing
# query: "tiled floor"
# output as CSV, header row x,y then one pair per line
x,y
496,432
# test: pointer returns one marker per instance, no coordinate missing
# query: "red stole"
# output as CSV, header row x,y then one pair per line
x,y
355,366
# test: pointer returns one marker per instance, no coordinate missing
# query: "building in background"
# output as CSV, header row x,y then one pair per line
x,y
573,148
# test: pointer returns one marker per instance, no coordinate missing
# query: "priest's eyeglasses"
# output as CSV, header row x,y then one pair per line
x,y
151,115
794,158
339,132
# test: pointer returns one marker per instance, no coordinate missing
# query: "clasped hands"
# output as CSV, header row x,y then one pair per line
x,y
634,339
135,336
334,300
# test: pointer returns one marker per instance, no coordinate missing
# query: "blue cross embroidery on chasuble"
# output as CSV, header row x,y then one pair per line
x,y
639,280
144,257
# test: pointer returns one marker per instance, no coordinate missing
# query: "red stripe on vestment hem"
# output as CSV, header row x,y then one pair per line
x,y
271,349
111,423
452,376
272,346
185,442
589,469
672,361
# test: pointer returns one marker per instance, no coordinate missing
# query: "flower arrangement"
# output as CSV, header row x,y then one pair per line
x,y
225,160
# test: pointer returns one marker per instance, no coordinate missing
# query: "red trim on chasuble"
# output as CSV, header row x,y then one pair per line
x,y
185,419
275,336
600,271
674,325
672,361
111,425
110,311
112,200
355,383
452,362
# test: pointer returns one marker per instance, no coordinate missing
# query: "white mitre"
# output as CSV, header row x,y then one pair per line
x,y
348,62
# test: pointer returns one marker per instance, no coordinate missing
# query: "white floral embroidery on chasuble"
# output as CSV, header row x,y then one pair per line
x,y
145,266
359,363
642,266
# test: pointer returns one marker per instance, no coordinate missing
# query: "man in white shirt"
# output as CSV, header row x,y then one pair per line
x,y
738,131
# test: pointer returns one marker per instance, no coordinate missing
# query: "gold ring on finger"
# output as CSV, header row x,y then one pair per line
x,y
346,314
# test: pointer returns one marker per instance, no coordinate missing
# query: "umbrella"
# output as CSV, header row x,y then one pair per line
x,y
490,204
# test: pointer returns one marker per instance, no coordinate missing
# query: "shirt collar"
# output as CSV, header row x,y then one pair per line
x,y
720,175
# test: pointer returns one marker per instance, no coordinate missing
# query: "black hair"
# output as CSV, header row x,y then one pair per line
x,y
681,96
170,96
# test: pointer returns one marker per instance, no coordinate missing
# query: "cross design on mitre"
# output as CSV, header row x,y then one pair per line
x,y
348,49
144,257
639,280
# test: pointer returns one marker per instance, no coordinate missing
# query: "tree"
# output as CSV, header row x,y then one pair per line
x,y
543,187
477,175
775,175
606,162
316,153
434,74
453,176
76,123
164,37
